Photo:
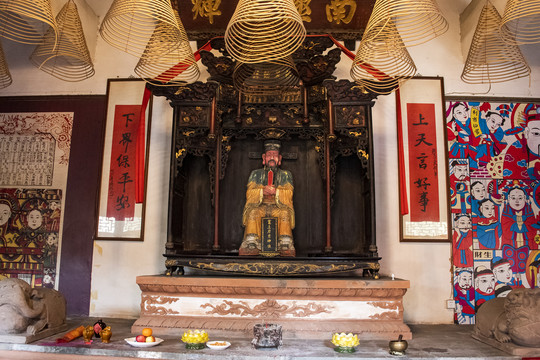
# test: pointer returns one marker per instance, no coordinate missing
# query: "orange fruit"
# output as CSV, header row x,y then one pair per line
x,y
147,332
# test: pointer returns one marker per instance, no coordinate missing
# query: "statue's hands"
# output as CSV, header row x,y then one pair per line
x,y
269,190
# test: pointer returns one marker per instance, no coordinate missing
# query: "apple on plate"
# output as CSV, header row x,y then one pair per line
x,y
150,339
140,338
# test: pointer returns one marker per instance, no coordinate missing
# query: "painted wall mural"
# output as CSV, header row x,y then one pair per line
x,y
34,148
494,162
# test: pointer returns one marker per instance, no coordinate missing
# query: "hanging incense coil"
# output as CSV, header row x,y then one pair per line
x,y
262,31
130,24
382,62
68,59
175,68
5,76
418,21
521,21
491,60
269,78
26,21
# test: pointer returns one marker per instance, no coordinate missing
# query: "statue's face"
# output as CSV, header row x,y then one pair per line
x,y
516,199
271,158
5,213
465,280
503,273
486,283
34,219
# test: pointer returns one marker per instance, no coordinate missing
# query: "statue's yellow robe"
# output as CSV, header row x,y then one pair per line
x,y
279,206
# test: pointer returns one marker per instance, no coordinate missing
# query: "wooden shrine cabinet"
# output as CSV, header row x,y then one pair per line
x,y
324,126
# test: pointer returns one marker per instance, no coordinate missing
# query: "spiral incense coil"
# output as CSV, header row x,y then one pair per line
x,y
130,24
491,60
382,62
5,76
270,78
264,30
68,59
26,21
521,21
418,21
177,67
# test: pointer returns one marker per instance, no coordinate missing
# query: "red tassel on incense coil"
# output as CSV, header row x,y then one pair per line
x,y
270,178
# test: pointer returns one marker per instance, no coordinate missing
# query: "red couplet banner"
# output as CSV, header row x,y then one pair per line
x,y
423,183
121,195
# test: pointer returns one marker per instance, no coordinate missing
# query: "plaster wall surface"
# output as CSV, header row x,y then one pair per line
x,y
427,265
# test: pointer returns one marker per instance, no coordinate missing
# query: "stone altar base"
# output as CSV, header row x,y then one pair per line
x,y
307,308
26,338
510,347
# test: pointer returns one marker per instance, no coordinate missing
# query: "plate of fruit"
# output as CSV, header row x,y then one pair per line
x,y
146,339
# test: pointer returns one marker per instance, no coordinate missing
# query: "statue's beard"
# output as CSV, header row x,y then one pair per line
x,y
272,165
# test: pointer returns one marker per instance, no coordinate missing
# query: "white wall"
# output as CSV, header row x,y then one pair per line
x,y
426,265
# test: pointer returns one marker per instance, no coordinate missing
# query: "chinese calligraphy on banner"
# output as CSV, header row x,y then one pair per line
x,y
423,171
121,196
423,195
120,215
494,165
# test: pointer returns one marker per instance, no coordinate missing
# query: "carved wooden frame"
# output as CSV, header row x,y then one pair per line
x,y
121,92
423,91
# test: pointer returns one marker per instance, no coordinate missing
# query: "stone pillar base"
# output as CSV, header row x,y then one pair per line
x,y
308,308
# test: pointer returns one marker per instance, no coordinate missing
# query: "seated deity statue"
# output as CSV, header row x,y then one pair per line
x,y
269,195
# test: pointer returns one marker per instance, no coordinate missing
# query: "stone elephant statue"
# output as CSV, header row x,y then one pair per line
x,y
24,309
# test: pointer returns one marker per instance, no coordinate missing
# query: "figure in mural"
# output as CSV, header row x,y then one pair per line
x,y
464,296
7,236
459,197
518,220
459,171
462,239
502,270
478,193
502,290
459,134
32,249
53,224
522,159
33,233
491,142
487,226
269,194
484,285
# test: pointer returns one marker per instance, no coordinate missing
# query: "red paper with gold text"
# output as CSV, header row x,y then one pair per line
x,y
121,194
423,183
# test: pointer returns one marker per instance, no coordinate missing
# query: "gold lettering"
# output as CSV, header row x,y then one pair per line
x,y
303,8
206,8
340,10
